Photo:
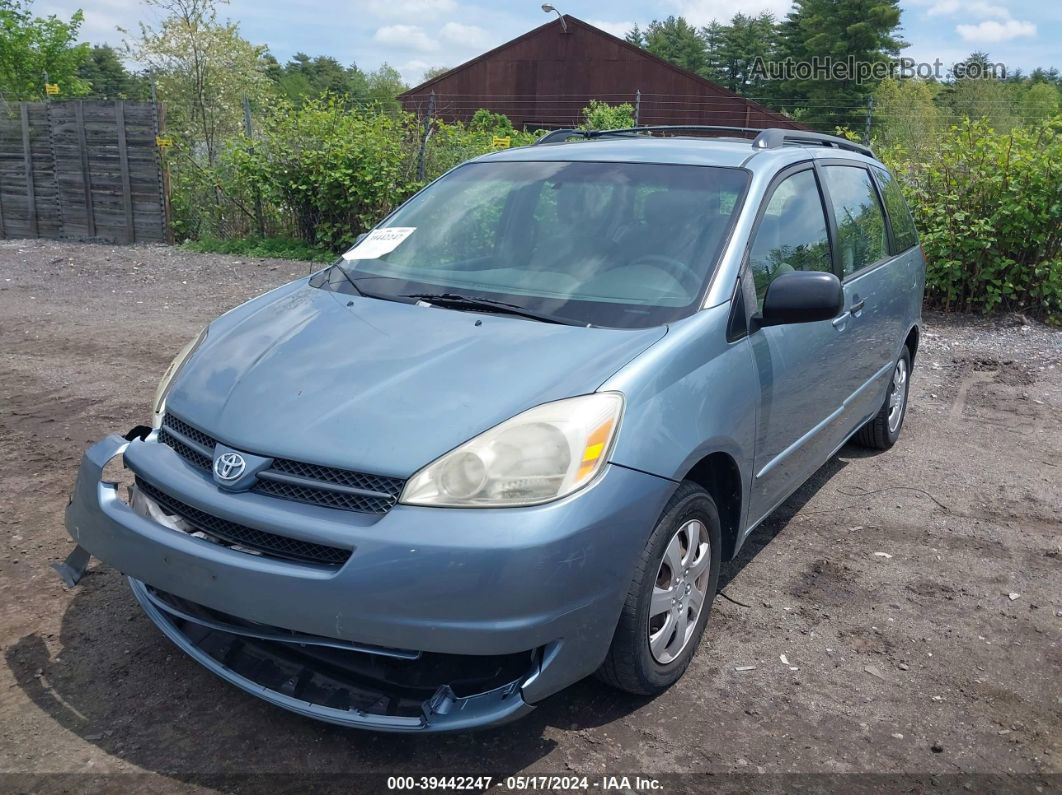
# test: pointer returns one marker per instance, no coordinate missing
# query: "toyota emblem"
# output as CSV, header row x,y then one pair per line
x,y
229,466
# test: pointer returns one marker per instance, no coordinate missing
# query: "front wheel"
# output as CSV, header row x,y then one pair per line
x,y
883,430
670,596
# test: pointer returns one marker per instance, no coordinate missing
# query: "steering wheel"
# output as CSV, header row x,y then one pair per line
x,y
675,268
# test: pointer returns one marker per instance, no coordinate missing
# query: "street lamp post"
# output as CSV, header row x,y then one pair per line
x,y
551,10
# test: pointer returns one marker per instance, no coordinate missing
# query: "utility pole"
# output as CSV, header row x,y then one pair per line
x,y
637,105
870,116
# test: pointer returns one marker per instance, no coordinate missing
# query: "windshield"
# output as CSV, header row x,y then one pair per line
x,y
626,245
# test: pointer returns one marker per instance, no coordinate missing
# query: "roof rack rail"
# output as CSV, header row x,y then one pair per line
x,y
774,137
563,135
766,138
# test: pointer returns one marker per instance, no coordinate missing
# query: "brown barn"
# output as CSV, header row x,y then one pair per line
x,y
544,78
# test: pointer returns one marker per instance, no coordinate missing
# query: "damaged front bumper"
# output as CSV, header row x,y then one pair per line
x,y
342,686
440,619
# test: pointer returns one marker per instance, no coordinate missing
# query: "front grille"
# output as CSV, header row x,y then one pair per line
x,y
350,491
184,451
233,534
184,429
292,480
189,443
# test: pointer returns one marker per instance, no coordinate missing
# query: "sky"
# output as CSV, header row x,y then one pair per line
x,y
413,35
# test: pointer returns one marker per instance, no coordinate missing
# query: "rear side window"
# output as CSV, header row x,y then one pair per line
x,y
903,227
861,238
792,233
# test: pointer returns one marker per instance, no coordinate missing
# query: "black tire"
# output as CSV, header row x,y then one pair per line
x,y
876,434
630,666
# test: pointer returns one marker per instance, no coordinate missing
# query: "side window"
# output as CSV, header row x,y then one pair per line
x,y
861,237
792,233
903,227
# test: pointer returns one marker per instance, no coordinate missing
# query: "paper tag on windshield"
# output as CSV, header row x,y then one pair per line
x,y
379,242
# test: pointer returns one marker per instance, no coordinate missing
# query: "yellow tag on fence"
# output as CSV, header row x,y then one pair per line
x,y
502,141
51,88
163,141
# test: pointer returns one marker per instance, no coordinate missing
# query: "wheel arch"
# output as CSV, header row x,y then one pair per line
x,y
718,473
911,342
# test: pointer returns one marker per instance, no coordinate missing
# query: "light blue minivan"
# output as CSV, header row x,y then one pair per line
x,y
507,439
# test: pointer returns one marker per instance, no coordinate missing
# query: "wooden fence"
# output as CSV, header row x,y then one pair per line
x,y
82,170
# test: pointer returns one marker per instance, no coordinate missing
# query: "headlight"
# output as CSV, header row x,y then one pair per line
x,y
168,376
545,453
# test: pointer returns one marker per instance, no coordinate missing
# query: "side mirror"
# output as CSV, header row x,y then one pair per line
x,y
802,297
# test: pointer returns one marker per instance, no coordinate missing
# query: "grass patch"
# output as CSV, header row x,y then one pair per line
x,y
273,247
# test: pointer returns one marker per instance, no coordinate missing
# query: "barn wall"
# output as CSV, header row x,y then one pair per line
x,y
546,77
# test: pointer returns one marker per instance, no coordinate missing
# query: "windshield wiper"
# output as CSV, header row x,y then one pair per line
x,y
457,301
402,299
347,276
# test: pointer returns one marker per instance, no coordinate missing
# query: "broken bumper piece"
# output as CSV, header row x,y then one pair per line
x,y
394,690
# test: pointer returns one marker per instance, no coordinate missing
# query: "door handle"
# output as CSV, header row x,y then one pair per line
x,y
857,307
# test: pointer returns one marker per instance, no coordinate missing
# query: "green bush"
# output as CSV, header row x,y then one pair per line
x,y
989,210
336,171
600,115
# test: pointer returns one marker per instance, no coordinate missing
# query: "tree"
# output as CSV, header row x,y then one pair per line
x,y
383,86
674,40
304,78
31,47
978,92
434,71
203,70
906,115
107,77
1040,102
741,43
713,35
857,31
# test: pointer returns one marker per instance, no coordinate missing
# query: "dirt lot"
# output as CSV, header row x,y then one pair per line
x,y
916,594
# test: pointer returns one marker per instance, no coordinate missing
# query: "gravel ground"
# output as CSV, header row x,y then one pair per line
x,y
915,595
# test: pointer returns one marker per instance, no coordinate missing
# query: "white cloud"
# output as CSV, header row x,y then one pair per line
x,y
407,37
467,35
943,7
102,18
701,12
411,9
992,31
620,29
975,8
413,71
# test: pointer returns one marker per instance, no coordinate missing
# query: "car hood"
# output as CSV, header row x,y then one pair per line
x,y
379,386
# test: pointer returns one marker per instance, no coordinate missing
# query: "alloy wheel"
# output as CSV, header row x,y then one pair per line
x,y
680,591
898,395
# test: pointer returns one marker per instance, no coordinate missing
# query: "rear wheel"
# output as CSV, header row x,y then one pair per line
x,y
884,429
670,596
